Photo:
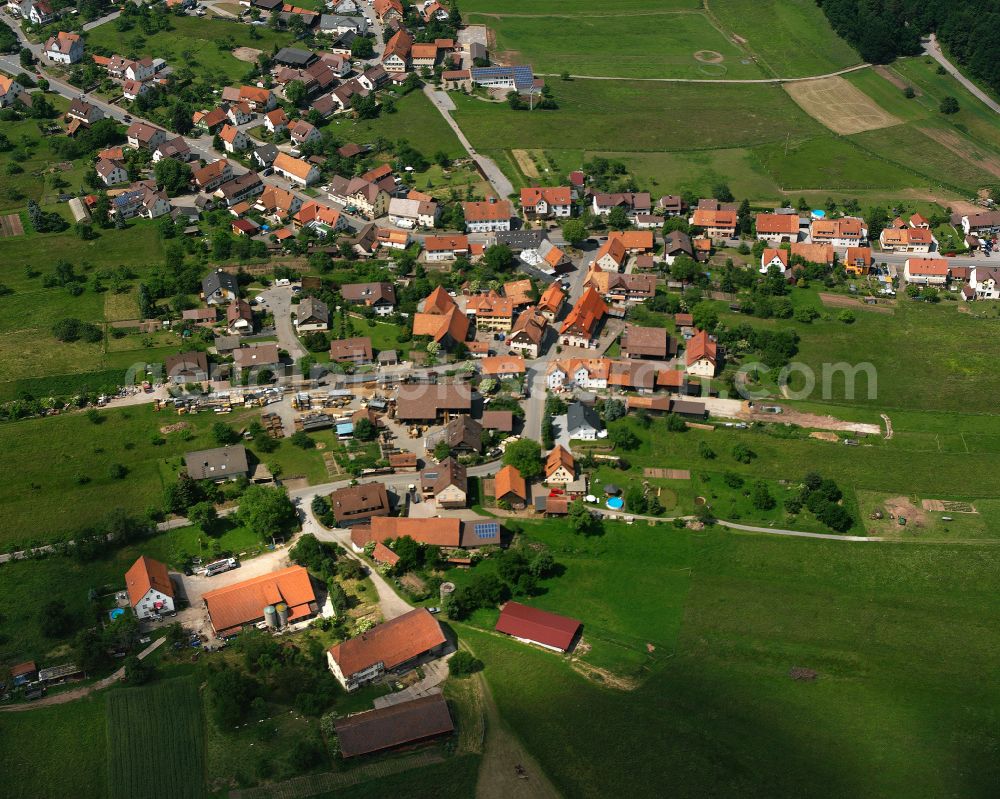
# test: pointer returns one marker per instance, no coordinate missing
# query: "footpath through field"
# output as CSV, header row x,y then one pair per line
x,y
839,72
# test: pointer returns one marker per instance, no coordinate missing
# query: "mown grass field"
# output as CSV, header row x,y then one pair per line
x,y
790,38
895,634
415,120
156,741
640,44
202,44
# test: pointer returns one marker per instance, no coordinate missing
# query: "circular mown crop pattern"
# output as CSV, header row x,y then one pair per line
x,y
713,70
709,56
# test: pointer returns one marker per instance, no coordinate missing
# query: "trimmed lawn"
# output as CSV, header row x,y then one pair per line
x,y
894,634
643,44
202,44
56,751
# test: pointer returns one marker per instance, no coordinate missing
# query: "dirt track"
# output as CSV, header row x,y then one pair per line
x,y
814,421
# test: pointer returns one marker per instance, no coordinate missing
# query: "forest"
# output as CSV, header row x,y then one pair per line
x,y
882,30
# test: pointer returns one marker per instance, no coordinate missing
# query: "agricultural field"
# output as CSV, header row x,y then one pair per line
x,y
415,119
55,751
788,38
203,45
156,741
885,640
640,44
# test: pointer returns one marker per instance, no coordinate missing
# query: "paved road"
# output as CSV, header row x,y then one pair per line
x,y
278,300
497,179
855,68
933,49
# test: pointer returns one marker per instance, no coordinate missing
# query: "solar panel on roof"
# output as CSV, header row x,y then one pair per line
x,y
487,530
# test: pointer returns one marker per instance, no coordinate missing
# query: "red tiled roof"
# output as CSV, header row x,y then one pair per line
x,y
145,574
537,625
394,725
242,603
509,481
391,643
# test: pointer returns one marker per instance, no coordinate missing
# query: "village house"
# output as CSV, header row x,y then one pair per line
x,y
64,48
175,148
240,113
356,350
140,199
984,283
209,121
380,296
190,367
645,342
456,80
276,121
259,356
510,487
423,54
489,216
584,373
359,503
150,590
621,289
912,240
146,136
777,228
337,25
234,140
133,89
278,204
391,647
528,334
9,90
428,402
982,225
635,242
502,367
925,271
219,288
582,324
278,598
463,434
410,213
441,319
858,260
718,225
219,464
302,132
533,626
323,219
111,172
209,177
583,423
551,302
560,467
241,188
491,311
771,257
392,239
814,253
295,169
610,257
546,203
259,99
367,199
633,203
388,10
446,248
670,205
700,356
446,483
239,318
264,155
675,244
396,56
849,231
38,12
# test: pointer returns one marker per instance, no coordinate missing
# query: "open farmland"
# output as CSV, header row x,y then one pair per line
x,y
156,741
55,751
839,106
892,634
788,38
639,44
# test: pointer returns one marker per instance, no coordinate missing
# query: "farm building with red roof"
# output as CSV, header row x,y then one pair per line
x,y
538,626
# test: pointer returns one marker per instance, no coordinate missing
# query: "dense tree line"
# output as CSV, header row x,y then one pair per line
x,y
882,30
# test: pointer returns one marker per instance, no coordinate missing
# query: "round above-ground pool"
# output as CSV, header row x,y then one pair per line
x,y
615,503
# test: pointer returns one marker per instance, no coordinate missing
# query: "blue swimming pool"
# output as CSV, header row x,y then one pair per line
x,y
615,503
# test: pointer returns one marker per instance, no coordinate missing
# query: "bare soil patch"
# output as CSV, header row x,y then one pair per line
x,y
248,54
176,427
960,147
839,105
525,164
10,225
903,506
824,436
667,474
815,421
840,301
